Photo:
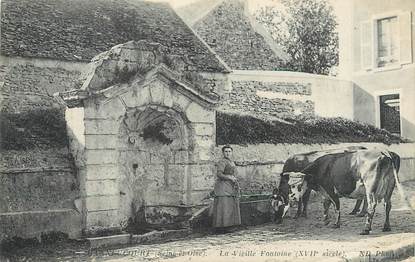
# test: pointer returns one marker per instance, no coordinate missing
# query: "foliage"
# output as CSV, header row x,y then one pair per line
x,y
306,30
37,128
156,132
237,129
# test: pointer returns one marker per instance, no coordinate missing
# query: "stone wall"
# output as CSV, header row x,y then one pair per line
x,y
39,192
268,94
259,166
228,31
30,116
42,189
39,182
35,158
31,119
27,86
255,97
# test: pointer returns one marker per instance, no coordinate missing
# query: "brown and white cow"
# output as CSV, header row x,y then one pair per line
x,y
296,163
366,174
397,162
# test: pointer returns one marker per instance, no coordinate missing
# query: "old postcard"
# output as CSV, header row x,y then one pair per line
x,y
207,130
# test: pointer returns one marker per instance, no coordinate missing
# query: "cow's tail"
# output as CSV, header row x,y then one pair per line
x,y
395,169
402,192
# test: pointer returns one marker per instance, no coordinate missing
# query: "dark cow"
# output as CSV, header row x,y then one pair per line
x,y
366,174
296,163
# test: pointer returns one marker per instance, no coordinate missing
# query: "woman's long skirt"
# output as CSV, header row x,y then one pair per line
x,y
226,211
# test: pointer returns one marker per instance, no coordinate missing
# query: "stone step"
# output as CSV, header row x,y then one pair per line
x,y
106,241
32,224
147,238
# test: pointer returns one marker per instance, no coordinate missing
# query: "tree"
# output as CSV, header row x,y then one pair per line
x,y
306,30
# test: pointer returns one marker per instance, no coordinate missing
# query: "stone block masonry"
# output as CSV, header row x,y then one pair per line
x,y
155,131
270,99
39,182
29,190
33,224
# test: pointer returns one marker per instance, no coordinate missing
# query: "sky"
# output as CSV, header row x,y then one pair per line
x,y
178,3
253,4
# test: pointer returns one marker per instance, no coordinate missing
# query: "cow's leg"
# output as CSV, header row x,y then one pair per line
x,y
326,205
331,197
363,212
306,197
371,204
336,202
388,206
300,205
356,207
278,214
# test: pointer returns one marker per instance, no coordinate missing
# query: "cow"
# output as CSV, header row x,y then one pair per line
x,y
296,163
397,162
369,174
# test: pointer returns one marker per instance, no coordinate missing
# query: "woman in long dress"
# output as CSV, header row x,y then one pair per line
x,y
226,212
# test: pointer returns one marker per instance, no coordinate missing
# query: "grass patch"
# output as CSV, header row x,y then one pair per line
x,y
245,129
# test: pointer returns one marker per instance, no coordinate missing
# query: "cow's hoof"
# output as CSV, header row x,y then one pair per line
x,y
365,232
386,229
335,226
303,215
353,212
279,221
361,215
326,222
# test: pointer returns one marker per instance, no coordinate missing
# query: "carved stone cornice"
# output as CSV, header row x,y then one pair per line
x,y
137,64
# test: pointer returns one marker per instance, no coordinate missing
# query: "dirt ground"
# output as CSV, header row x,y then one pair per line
x,y
268,242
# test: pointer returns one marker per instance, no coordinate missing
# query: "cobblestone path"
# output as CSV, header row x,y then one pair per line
x,y
303,239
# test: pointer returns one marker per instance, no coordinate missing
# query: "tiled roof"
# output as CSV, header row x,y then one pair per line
x,y
229,31
78,30
194,11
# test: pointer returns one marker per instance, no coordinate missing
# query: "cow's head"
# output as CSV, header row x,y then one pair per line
x,y
279,205
297,186
279,199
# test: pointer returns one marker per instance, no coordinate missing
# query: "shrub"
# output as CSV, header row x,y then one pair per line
x,y
37,128
244,129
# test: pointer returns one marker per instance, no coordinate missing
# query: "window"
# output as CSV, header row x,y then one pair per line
x,y
386,41
390,118
388,37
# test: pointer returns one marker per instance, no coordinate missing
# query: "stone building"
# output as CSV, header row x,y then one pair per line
x,y
376,54
230,29
376,74
145,105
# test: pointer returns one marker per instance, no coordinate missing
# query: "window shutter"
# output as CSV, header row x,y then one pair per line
x,y
366,45
405,34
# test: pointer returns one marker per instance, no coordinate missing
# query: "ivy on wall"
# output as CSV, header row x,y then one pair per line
x,y
37,128
244,129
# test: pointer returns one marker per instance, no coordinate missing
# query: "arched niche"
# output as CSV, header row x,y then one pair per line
x,y
154,149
